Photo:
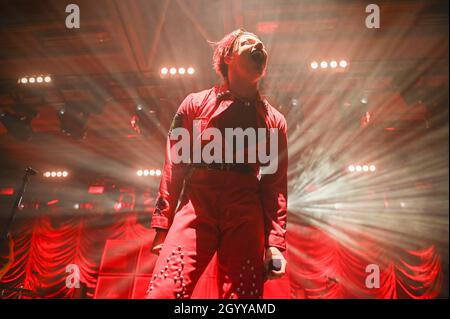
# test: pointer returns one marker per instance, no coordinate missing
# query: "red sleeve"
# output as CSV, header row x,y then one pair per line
x,y
274,195
173,173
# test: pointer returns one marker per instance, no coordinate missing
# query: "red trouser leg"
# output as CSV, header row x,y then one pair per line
x,y
241,250
220,212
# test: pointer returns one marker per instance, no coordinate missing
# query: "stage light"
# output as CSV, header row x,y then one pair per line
x,y
149,172
190,70
35,79
164,71
324,64
73,121
18,123
7,191
343,64
181,71
314,65
146,121
333,64
58,174
52,202
361,168
173,71
96,189
117,206
364,98
294,103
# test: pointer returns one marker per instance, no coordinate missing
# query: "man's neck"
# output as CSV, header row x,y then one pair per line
x,y
242,88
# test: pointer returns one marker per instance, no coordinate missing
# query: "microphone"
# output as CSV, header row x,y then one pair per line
x,y
275,264
31,170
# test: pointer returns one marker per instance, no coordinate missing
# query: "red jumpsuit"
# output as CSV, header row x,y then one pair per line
x,y
235,214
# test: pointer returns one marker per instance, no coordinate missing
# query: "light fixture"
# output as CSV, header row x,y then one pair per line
x,y
148,172
18,123
331,64
145,120
358,168
35,79
164,71
73,121
57,174
176,71
343,63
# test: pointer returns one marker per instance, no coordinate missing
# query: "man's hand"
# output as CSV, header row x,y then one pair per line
x,y
158,241
272,253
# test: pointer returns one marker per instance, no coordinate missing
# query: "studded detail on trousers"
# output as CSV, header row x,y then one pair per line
x,y
221,213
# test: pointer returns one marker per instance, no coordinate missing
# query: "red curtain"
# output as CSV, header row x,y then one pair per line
x,y
323,263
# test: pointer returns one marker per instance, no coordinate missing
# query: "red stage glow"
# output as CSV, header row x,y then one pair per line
x,y
7,191
53,202
97,189
325,268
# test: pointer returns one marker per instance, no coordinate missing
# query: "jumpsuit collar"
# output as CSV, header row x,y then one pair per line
x,y
224,98
223,93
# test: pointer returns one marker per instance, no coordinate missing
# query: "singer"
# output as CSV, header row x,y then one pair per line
x,y
233,209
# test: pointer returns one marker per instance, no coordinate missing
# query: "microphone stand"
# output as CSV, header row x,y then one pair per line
x,y
28,172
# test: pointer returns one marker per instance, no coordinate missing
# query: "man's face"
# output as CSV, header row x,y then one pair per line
x,y
249,57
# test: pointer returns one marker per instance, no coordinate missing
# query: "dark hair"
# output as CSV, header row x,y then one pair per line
x,y
224,48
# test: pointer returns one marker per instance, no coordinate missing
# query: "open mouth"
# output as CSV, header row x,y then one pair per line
x,y
258,56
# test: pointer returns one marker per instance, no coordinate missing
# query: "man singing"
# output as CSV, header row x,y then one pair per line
x,y
228,205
